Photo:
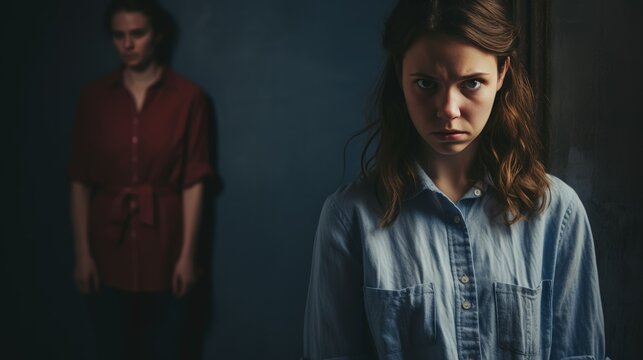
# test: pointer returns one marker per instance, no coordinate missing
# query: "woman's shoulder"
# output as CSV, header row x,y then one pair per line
x,y
358,196
560,191
101,83
183,84
562,198
345,212
359,192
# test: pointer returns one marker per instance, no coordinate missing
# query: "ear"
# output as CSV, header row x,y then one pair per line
x,y
503,72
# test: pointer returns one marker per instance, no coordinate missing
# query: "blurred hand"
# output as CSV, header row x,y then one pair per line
x,y
85,274
184,276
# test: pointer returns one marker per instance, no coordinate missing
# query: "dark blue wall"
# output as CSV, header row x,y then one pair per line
x,y
289,80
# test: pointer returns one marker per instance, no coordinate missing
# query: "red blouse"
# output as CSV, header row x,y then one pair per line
x,y
137,163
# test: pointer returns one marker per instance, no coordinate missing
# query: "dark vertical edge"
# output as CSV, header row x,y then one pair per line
x,y
533,20
541,69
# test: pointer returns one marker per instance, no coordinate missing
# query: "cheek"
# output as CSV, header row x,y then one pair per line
x,y
419,106
489,96
149,46
482,103
479,111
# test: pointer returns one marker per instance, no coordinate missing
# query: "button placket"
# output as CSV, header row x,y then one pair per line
x,y
468,339
466,304
464,279
134,169
135,141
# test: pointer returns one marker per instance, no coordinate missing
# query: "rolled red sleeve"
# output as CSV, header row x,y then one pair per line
x,y
197,165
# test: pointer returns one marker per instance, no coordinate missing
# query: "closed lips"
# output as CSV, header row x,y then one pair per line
x,y
448,132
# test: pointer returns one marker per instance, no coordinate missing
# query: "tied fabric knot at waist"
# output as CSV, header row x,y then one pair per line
x,y
135,199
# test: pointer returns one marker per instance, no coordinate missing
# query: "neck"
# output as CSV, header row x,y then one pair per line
x,y
452,174
144,76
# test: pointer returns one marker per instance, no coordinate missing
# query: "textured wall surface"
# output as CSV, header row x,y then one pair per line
x,y
596,129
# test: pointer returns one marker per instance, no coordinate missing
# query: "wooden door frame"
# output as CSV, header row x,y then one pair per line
x,y
533,20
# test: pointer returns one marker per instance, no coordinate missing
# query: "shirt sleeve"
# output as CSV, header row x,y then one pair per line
x,y
197,164
335,324
578,329
78,168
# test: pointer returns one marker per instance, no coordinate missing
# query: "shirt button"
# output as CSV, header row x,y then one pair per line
x,y
132,205
134,139
134,178
134,159
464,279
466,305
133,233
477,192
456,219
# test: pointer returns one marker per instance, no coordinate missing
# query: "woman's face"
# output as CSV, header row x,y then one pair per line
x,y
133,38
449,87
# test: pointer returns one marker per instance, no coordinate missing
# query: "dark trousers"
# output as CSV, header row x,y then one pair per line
x,y
136,325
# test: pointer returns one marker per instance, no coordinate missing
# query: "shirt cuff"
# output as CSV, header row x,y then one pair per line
x,y
196,172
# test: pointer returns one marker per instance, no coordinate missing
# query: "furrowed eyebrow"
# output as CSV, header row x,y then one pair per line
x,y
419,74
141,30
461,77
473,75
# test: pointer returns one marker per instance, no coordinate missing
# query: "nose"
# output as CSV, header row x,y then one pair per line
x,y
128,43
448,105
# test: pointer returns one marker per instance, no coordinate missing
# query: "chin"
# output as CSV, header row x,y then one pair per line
x,y
449,149
135,65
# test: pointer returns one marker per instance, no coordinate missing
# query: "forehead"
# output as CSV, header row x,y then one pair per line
x,y
124,20
446,55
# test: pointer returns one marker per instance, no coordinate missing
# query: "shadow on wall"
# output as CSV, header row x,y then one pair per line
x,y
200,304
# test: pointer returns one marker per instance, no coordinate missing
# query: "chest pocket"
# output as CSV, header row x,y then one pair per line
x,y
523,318
401,319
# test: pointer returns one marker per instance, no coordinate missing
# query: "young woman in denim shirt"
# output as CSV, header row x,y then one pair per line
x,y
455,243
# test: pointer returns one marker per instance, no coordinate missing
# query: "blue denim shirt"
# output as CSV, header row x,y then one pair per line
x,y
451,281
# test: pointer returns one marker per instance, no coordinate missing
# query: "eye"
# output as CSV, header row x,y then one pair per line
x,y
425,84
472,84
138,33
118,34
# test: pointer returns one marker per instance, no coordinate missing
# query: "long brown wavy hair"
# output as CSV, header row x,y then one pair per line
x,y
509,150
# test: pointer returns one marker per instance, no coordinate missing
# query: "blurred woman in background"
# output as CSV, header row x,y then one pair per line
x,y
139,161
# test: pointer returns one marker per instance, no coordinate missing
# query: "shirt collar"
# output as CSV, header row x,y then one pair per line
x,y
165,80
426,183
